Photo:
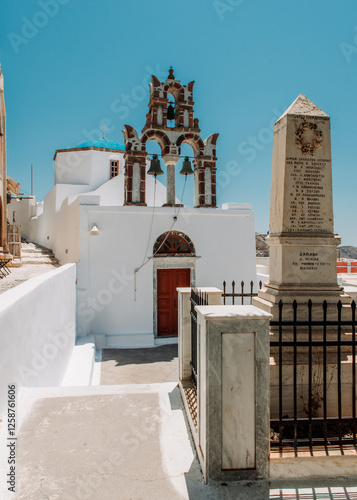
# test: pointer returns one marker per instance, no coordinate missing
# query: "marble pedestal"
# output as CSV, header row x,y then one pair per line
x,y
233,404
302,268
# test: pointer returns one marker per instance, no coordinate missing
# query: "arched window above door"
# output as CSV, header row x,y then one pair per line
x,y
173,243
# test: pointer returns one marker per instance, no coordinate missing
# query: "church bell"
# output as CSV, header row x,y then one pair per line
x,y
155,167
170,112
186,167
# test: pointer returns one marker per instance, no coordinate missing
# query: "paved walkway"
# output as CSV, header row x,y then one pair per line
x,y
128,442
35,260
139,366
21,274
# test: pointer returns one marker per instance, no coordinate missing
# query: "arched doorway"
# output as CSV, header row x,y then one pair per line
x,y
174,267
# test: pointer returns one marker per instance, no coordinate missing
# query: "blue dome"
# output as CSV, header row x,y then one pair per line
x,y
102,143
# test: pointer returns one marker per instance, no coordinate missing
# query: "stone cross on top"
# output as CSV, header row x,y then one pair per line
x,y
104,128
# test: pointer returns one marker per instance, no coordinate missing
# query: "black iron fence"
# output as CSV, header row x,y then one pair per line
x,y
242,294
312,367
313,376
197,299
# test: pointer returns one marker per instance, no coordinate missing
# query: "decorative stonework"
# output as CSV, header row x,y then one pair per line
x,y
159,250
171,124
316,143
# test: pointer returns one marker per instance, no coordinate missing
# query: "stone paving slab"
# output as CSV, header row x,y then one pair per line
x,y
93,447
140,366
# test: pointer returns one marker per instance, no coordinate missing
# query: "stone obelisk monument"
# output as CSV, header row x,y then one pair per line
x,y
301,240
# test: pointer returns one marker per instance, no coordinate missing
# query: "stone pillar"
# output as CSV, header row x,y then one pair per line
x,y
233,420
170,185
170,162
135,178
199,173
301,240
214,297
205,182
213,187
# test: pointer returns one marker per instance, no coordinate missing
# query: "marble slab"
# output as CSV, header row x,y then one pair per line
x,y
238,401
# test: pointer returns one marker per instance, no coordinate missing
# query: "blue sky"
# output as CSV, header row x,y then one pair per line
x,y
70,65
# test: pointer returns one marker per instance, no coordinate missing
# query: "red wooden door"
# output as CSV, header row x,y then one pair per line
x,y
167,299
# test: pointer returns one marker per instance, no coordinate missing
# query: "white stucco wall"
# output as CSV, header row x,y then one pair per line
x,y
37,321
88,167
23,210
57,227
112,192
64,236
224,242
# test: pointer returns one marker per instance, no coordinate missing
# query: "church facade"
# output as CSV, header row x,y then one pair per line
x,y
133,240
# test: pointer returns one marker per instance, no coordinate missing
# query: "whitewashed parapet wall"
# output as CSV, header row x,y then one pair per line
x,y
37,321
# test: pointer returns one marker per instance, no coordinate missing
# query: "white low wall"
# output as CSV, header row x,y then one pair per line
x,y
37,330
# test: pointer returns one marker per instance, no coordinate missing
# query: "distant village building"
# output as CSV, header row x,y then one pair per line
x,y
133,240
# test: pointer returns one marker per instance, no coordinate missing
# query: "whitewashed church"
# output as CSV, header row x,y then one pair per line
x,y
133,241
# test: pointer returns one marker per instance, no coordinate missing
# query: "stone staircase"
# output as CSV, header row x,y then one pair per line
x,y
32,253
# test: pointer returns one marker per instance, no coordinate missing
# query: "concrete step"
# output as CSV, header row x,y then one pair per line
x,y
36,261
36,250
130,340
36,254
39,255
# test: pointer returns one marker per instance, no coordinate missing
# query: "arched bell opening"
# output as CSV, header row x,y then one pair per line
x,y
159,137
153,148
155,168
175,93
192,145
193,140
171,111
185,183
